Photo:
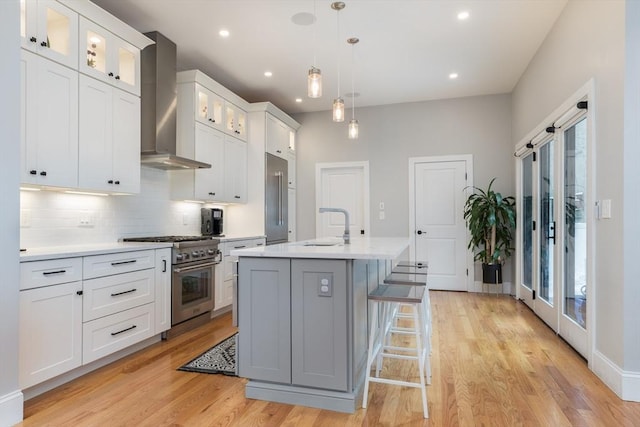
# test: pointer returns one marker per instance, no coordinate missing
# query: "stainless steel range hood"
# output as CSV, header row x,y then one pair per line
x,y
158,107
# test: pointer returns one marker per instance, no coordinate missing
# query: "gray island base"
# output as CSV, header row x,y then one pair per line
x,y
303,319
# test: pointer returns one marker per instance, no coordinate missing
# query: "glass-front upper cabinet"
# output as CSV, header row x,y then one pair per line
x,y
108,57
236,121
209,107
50,29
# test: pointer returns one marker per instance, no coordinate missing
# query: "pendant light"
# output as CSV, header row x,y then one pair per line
x,y
338,103
314,79
353,123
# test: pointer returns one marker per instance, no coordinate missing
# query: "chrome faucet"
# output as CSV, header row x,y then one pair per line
x,y
345,236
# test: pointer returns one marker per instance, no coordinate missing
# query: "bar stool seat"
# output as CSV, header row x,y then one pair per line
x,y
415,268
417,264
385,299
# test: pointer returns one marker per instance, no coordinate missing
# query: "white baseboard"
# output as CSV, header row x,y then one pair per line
x,y
499,288
626,384
11,408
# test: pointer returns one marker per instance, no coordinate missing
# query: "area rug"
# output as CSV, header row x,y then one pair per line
x,y
219,359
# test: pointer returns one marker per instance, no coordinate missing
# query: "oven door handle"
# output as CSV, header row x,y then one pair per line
x,y
195,267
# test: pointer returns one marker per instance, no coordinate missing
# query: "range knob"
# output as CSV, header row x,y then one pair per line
x,y
195,254
210,252
179,257
202,253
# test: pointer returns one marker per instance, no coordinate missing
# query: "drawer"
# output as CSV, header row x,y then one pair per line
x,y
104,296
241,244
122,262
107,335
35,274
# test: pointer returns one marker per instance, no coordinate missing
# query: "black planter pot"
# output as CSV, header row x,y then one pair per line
x,y
491,273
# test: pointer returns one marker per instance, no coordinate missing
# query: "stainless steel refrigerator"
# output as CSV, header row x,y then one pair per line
x,y
276,200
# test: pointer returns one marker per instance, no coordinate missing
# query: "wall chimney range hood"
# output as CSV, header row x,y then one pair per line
x,y
158,107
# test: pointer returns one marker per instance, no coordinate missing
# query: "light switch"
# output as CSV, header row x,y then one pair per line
x,y
381,206
605,209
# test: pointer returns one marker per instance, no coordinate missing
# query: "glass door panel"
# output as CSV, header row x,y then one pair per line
x,y
127,66
527,221
547,223
58,32
96,51
575,229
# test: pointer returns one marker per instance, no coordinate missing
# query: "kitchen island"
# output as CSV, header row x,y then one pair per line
x,y
303,318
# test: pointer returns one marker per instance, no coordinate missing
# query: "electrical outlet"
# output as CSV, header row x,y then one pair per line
x,y
381,206
381,215
25,218
325,286
87,219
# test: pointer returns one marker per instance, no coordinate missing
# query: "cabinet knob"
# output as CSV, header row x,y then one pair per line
x,y
44,44
212,120
33,172
419,232
117,183
212,194
33,40
110,74
278,151
79,292
117,77
110,181
237,197
43,173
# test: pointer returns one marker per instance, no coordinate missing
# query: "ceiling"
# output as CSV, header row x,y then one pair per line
x,y
407,48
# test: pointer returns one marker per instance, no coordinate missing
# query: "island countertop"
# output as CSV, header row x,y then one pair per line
x,y
332,248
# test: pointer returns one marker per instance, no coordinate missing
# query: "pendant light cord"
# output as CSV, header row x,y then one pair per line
x,y
353,92
338,47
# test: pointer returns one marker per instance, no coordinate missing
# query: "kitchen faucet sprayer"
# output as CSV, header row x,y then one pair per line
x,y
345,236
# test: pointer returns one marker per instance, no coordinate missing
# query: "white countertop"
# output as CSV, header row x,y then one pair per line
x,y
334,248
231,238
56,252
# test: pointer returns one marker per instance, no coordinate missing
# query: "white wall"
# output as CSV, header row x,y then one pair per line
x,y
10,395
389,136
54,216
586,42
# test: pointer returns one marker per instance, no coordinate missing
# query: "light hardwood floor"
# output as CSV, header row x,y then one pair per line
x,y
494,364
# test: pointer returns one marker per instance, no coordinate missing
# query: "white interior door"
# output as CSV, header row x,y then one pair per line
x,y
439,232
345,186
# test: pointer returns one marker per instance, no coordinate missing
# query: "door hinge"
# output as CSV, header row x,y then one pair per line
x,y
533,294
533,226
534,156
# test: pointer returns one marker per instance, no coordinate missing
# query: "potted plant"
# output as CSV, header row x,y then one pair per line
x,y
491,219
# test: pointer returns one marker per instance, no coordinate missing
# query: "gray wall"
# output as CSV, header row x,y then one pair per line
x,y
10,396
586,42
389,136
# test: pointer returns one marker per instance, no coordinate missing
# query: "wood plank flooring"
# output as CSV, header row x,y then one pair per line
x,y
494,364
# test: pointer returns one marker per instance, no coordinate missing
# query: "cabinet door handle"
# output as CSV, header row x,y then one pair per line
x,y
237,197
212,194
240,247
212,120
131,261
44,44
164,265
419,232
117,183
124,292
48,273
110,181
43,173
33,40
278,151
79,292
110,74
124,330
33,172
117,77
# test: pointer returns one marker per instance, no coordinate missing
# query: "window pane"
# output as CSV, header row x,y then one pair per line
x,y
527,221
547,224
575,236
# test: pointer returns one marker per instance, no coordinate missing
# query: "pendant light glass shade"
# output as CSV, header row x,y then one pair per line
x,y
314,83
353,129
338,110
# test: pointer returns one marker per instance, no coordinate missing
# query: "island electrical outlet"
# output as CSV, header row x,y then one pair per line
x,y
325,286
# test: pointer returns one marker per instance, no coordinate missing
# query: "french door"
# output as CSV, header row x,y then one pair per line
x,y
553,228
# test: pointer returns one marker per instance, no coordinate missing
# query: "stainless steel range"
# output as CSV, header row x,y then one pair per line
x,y
194,259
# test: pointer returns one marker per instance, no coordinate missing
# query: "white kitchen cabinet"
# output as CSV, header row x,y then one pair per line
x,y
292,215
208,107
108,58
235,177
224,271
236,121
291,169
163,290
109,152
277,135
209,148
49,122
50,29
117,263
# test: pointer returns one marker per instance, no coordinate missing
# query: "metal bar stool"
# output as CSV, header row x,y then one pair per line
x,y
418,264
417,267
385,299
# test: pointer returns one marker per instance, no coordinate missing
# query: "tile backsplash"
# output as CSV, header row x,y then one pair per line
x,y
50,218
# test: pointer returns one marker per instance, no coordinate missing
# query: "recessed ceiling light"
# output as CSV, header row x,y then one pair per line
x,y
453,76
224,33
463,15
298,100
268,74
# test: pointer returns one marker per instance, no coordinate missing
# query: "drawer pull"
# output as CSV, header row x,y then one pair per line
x,y
131,261
125,292
124,330
48,273
240,247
